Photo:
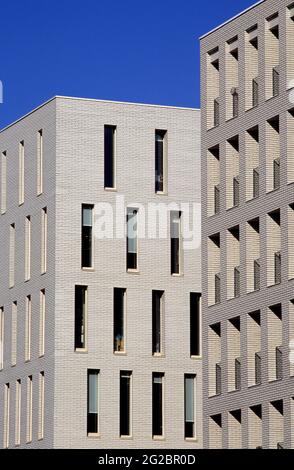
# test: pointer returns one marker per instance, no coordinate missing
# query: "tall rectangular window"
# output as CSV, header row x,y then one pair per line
x,y
11,254
40,162
42,323
28,327
119,306
87,236
6,416
21,174
44,241
160,160
17,412
157,404
157,321
195,324
13,333
109,156
190,406
3,182
41,405
132,239
125,413
176,242
81,307
1,337
93,402
29,409
28,248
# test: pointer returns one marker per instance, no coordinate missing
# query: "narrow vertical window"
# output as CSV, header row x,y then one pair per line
x,y
87,241
157,321
93,402
17,412
81,307
1,337
11,254
109,156
176,249
28,248
29,408
160,161
190,407
40,162
28,328
125,414
157,404
6,416
21,174
42,323
44,241
13,333
119,306
195,324
41,405
3,182
132,239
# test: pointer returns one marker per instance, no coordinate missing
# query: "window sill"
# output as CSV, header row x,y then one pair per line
x,y
272,190
232,118
110,190
196,358
88,269
251,108
271,98
191,439
81,351
213,127
119,353
158,438
93,435
133,271
177,274
157,355
161,193
126,438
254,385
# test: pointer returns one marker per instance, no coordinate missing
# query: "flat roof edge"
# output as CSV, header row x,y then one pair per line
x,y
95,100
231,19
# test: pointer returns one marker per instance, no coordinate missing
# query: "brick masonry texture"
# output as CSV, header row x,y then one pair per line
x,y
73,133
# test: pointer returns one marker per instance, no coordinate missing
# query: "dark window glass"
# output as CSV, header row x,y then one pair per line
x,y
157,404
132,239
87,236
159,160
190,406
118,319
80,316
92,414
125,403
175,232
109,156
195,333
157,300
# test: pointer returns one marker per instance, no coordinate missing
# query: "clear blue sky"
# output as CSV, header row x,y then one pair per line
x,y
126,50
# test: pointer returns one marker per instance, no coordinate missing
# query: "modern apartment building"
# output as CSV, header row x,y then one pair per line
x,y
100,343
248,228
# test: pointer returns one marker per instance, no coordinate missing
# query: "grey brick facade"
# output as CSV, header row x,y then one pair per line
x,y
72,132
253,323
